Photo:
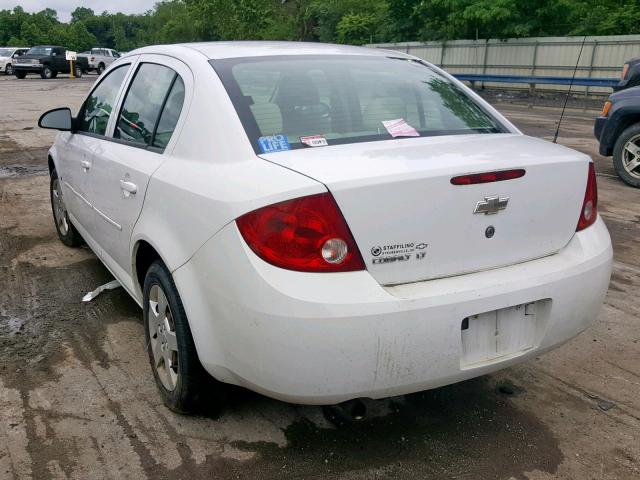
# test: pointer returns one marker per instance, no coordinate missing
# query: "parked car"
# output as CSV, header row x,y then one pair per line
x,y
99,59
8,56
618,131
320,223
47,61
630,75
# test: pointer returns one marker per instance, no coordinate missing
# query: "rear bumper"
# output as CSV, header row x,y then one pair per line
x,y
326,338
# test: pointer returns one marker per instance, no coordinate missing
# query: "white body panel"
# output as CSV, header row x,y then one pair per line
x,y
405,185
321,338
318,338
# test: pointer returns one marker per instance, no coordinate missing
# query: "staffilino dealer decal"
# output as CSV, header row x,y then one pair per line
x,y
399,252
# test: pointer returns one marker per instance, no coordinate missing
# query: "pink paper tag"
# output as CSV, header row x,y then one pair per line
x,y
314,141
400,128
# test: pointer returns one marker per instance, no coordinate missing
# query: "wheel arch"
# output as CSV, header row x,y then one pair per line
x,y
144,254
625,122
51,162
624,113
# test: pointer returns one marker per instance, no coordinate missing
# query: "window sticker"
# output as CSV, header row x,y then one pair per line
x,y
273,143
314,141
400,128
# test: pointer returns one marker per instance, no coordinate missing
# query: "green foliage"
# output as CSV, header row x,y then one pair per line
x,y
341,21
356,28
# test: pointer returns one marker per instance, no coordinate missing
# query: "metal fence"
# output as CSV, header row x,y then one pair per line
x,y
602,58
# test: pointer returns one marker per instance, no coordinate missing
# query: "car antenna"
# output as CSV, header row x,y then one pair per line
x,y
566,99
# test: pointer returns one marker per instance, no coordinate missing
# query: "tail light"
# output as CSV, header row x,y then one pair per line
x,y
307,234
590,205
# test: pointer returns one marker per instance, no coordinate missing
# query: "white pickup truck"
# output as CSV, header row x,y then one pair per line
x,y
100,58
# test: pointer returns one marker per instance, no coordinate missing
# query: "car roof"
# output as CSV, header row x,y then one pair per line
x,y
239,49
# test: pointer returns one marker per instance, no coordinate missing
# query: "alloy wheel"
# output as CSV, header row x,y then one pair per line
x,y
631,156
59,210
162,338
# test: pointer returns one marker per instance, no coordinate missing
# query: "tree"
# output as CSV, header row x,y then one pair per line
x,y
356,28
344,21
82,14
79,38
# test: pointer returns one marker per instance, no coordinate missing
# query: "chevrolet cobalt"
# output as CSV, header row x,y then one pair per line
x,y
320,223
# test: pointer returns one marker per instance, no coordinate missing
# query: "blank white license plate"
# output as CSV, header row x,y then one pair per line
x,y
499,333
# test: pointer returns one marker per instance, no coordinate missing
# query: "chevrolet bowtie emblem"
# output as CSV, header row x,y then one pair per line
x,y
491,205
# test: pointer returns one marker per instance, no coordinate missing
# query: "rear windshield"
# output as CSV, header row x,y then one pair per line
x,y
300,101
40,51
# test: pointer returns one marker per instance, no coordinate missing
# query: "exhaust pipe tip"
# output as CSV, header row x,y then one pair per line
x,y
348,412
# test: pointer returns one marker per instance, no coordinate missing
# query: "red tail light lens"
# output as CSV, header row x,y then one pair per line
x,y
488,177
307,234
590,205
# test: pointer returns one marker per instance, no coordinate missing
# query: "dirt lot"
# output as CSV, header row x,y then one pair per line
x,y
77,399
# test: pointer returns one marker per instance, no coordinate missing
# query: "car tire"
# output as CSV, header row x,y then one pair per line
x,y
67,233
100,69
78,71
21,75
184,385
54,75
624,159
46,73
8,70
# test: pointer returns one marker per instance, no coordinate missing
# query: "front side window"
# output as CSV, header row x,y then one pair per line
x,y
94,115
346,99
148,93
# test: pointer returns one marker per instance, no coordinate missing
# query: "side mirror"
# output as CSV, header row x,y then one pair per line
x,y
15,55
56,119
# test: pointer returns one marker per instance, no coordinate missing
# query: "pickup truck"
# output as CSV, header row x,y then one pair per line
x,y
47,61
99,58
618,131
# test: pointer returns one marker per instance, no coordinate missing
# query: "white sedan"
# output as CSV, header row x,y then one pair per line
x,y
320,223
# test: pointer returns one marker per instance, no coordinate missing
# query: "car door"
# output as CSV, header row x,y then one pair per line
x,y
59,63
142,134
77,148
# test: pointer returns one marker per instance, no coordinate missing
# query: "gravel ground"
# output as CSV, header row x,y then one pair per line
x,y
77,399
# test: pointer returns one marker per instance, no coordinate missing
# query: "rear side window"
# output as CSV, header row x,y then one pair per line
x,y
345,99
150,91
95,113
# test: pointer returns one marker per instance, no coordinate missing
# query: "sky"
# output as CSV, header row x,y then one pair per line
x,y
65,7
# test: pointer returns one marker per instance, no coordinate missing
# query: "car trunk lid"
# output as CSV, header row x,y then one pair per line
x,y
411,223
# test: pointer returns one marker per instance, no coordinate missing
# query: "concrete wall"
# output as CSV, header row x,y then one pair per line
x,y
602,57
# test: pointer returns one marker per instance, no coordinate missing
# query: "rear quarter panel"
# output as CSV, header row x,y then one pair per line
x,y
211,174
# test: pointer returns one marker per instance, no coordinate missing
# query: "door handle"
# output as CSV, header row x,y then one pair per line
x,y
86,164
129,187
